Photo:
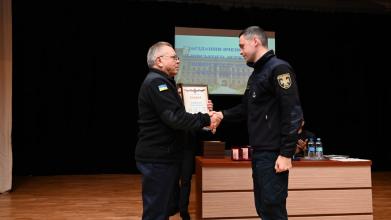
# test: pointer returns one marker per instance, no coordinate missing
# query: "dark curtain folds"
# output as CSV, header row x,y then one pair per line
x,y
78,67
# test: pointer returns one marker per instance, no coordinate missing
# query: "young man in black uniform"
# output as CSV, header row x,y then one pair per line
x,y
273,111
162,122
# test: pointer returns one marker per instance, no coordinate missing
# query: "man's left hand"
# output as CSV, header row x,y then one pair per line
x,y
283,164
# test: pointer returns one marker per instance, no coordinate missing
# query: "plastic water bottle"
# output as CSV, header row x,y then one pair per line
x,y
319,149
311,149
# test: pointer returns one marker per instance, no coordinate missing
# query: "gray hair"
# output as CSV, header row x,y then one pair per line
x,y
153,51
252,31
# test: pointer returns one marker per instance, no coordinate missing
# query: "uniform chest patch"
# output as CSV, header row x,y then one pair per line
x,y
284,80
162,87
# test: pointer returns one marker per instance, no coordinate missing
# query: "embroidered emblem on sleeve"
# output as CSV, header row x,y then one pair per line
x,y
284,80
162,87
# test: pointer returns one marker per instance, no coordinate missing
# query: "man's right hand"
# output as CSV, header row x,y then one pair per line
x,y
220,115
214,121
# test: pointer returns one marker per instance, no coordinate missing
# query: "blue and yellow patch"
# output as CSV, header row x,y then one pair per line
x,y
162,87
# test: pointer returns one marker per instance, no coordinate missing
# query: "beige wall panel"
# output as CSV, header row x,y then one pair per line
x,y
329,202
241,204
5,95
233,204
240,178
329,177
222,178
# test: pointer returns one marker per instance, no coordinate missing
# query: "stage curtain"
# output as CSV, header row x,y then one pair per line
x,y
5,95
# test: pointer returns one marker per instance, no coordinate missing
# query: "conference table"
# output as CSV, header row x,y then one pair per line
x,y
317,190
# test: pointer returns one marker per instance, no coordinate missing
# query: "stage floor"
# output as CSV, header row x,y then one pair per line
x,y
114,196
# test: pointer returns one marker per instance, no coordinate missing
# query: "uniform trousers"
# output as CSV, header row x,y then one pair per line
x,y
158,181
270,188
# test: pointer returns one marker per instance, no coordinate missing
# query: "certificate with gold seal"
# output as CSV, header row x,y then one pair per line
x,y
195,97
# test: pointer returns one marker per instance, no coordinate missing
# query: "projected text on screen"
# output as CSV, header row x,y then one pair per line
x,y
212,57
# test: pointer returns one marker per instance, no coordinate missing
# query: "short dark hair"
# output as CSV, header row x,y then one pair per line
x,y
255,31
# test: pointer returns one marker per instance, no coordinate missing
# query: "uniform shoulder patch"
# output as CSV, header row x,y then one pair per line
x,y
284,80
162,87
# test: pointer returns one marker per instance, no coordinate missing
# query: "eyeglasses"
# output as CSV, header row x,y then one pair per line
x,y
174,57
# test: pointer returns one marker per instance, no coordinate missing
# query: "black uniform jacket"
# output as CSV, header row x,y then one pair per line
x,y
271,105
163,120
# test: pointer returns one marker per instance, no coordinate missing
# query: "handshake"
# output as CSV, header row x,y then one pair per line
x,y
215,119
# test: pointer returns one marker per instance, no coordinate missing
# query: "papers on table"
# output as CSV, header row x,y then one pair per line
x,y
348,159
343,158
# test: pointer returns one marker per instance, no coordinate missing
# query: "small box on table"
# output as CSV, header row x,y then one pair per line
x,y
214,149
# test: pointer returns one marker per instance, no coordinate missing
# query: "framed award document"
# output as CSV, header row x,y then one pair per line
x,y
195,97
